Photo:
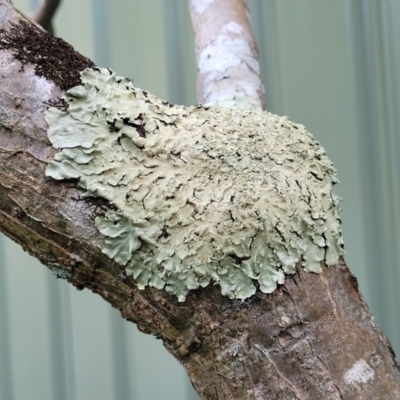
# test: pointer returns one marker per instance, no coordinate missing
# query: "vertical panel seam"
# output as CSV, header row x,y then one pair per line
x,y
6,387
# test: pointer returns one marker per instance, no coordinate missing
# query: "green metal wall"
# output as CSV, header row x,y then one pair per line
x,y
330,65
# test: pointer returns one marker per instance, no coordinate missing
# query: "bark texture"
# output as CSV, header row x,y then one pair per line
x,y
313,338
227,54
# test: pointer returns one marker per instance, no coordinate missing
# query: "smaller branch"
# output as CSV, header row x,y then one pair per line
x,y
227,54
45,13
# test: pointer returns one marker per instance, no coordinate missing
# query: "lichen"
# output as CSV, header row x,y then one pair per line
x,y
61,273
200,194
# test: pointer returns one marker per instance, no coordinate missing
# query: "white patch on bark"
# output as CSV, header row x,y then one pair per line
x,y
37,84
42,86
218,60
360,372
200,6
233,27
224,53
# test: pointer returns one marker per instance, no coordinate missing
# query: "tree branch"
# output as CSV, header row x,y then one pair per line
x,y
227,54
45,13
312,338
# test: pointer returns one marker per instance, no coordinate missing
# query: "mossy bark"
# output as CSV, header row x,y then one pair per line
x,y
313,338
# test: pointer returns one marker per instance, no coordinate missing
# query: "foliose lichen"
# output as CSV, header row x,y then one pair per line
x,y
61,273
200,194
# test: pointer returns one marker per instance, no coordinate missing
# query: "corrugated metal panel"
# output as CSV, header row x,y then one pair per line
x,y
329,65
374,77
6,387
180,57
74,23
137,43
62,348
28,325
265,21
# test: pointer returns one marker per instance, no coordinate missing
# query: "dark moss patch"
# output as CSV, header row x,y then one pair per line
x,y
97,205
52,58
60,104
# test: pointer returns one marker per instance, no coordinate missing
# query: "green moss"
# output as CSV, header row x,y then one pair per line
x,y
201,194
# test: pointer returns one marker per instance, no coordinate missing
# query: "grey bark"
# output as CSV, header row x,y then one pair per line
x,y
313,338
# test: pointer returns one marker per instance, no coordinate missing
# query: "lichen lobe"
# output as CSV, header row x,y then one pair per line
x,y
201,194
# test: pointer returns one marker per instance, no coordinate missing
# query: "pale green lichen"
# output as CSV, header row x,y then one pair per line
x,y
201,194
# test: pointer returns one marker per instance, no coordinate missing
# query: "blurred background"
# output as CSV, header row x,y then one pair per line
x,y
330,65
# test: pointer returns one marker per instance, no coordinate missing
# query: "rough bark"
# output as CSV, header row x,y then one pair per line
x,y
227,54
313,338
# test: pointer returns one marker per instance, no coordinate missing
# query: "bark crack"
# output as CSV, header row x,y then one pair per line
x,y
289,384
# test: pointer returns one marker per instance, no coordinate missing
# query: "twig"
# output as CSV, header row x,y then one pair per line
x,y
45,13
227,54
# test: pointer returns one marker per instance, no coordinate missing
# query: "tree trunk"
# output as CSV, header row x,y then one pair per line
x,y
312,338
